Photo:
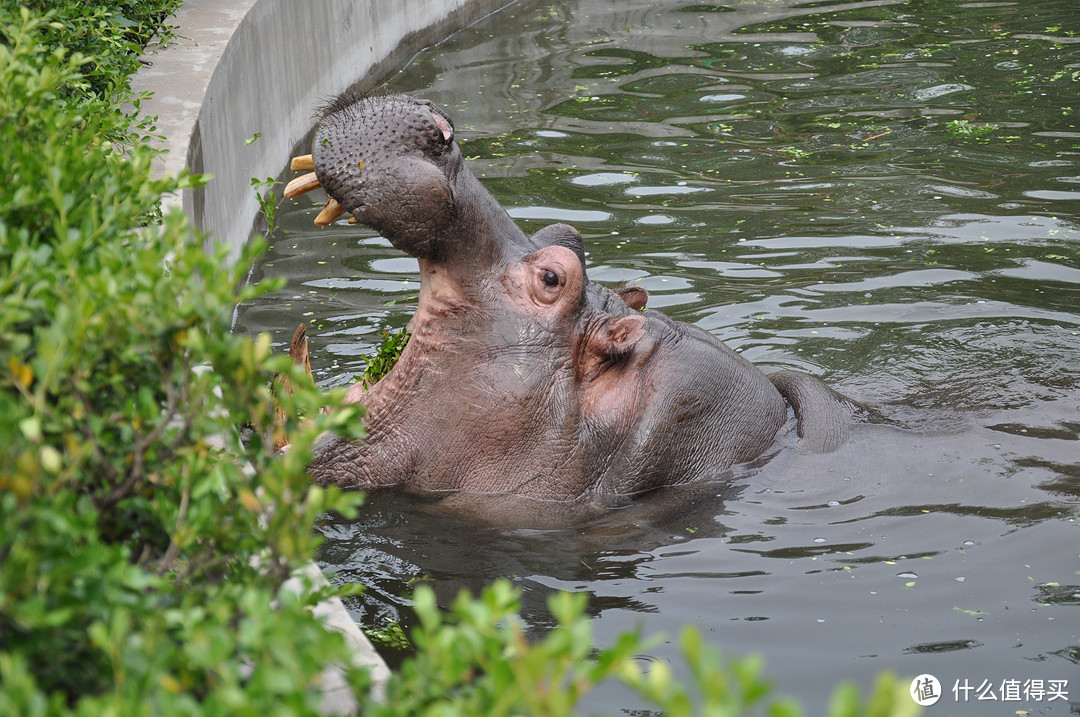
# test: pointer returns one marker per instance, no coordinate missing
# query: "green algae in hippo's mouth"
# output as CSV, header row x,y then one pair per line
x,y
884,194
378,363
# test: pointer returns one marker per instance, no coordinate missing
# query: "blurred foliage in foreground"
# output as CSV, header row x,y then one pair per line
x,y
475,660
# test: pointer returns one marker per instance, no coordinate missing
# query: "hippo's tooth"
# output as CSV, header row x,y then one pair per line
x,y
301,184
330,212
303,163
353,220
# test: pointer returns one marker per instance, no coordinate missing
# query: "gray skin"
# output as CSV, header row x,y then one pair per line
x,y
523,378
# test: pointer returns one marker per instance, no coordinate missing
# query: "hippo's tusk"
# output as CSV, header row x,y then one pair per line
x,y
330,212
301,184
298,351
303,163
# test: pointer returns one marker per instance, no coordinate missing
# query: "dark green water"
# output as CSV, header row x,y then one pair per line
x,y
884,194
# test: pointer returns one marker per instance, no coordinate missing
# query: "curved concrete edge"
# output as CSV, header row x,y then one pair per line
x,y
241,68
338,698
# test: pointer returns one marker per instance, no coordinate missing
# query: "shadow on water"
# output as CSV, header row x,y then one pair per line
x,y
884,194
432,546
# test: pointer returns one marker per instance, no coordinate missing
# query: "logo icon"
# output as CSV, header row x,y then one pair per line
x,y
925,690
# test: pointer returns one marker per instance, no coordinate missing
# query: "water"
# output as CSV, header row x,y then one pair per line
x,y
883,194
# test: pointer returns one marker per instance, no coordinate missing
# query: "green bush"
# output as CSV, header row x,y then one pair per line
x,y
107,36
139,559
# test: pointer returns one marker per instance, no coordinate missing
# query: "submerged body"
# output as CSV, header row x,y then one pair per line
x,y
522,377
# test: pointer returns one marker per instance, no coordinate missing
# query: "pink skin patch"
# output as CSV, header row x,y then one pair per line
x,y
444,126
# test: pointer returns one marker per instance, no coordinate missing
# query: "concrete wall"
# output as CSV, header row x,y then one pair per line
x,y
237,68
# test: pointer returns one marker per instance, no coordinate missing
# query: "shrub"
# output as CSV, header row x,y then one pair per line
x,y
138,558
107,36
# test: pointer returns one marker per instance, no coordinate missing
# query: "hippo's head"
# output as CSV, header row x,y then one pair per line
x,y
522,377
392,163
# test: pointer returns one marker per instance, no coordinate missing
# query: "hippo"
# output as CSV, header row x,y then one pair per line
x,y
522,377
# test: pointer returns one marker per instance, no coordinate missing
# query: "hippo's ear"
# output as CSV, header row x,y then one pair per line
x,y
617,337
606,347
634,296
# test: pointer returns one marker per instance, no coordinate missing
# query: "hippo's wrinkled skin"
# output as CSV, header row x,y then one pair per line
x,y
522,377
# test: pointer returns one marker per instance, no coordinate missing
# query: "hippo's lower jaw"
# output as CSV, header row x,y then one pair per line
x,y
523,378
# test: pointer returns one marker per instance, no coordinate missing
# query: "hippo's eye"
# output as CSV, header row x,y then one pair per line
x,y
550,278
